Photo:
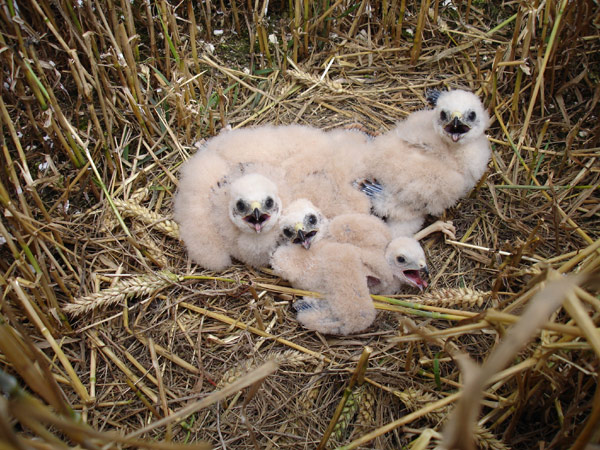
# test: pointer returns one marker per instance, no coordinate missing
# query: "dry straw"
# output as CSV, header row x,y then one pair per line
x,y
101,347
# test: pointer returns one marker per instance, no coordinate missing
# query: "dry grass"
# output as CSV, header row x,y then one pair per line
x,y
110,337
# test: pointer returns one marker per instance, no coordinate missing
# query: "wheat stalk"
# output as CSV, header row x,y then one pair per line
x,y
156,252
486,440
123,289
348,412
366,410
414,399
454,297
285,358
134,210
360,406
291,358
313,80
234,373
139,195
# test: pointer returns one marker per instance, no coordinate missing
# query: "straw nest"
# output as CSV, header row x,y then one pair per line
x,y
109,337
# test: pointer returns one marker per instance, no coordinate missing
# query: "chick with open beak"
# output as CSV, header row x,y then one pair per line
x,y
257,218
254,204
302,223
454,125
407,260
460,116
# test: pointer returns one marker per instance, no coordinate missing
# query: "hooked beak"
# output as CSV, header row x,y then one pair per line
x,y
304,238
256,219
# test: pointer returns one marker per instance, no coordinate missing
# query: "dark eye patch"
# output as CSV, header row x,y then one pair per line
x,y
269,202
443,116
240,206
312,219
401,259
471,116
288,232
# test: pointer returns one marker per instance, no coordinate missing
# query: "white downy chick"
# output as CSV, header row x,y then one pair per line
x,y
333,269
427,162
302,223
406,258
345,259
200,178
389,264
226,211
254,208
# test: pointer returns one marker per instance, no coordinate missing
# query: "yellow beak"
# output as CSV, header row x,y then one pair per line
x,y
456,114
255,205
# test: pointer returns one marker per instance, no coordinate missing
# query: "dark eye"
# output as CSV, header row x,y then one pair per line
x,y
269,202
443,116
312,219
288,232
472,116
400,259
240,205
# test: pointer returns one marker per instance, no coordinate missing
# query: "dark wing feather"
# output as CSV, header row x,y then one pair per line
x,y
370,187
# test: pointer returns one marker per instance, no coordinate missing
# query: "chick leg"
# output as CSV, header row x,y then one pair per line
x,y
445,227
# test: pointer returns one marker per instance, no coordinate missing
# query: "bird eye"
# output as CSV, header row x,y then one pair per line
x,y
401,259
472,116
443,116
269,202
240,205
312,219
288,232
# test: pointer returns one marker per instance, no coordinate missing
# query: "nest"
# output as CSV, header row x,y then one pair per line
x,y
110,336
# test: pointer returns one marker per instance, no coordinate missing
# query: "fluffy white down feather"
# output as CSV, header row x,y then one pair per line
x,y
429,161
424,165
205,208
313,161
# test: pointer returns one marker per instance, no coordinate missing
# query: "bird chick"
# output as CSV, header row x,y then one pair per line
x,y
349,257
254,209
332,269
315,162
427,162
406,258
226,212
302,223
254,205
389,263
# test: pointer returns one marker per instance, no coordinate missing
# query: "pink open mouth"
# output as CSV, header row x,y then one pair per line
x,y
305,239
414,278
456,130
256,223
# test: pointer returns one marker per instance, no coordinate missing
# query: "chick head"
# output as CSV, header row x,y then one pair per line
x,y
302,223
254,204
460,116
407,261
